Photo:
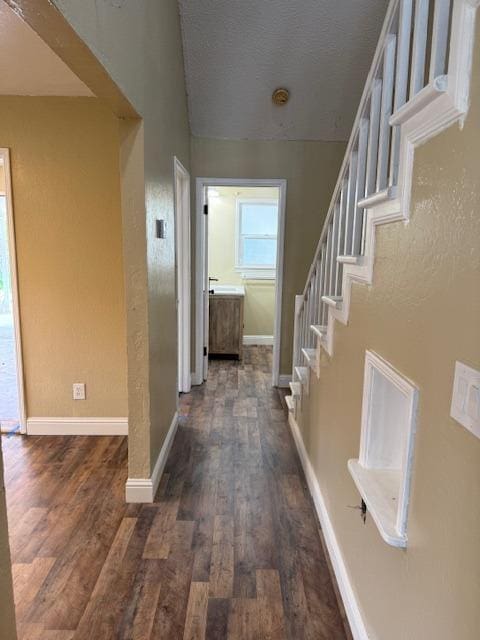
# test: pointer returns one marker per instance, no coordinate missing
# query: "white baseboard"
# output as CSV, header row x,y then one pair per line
x,y
77,426
144,489
257,340
352,609
284,380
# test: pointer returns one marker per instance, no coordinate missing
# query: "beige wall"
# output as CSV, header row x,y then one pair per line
x,y
259,294
139,44
421,314
311,170
137,66
66,196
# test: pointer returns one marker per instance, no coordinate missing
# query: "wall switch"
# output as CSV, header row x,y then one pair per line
x,y
79,391
465,407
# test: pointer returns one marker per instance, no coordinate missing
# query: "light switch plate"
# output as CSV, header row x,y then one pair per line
x,y
465,407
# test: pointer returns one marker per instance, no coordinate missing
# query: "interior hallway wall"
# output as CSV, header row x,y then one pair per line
x,y
311,170
259,303
421,314
139,44
64,155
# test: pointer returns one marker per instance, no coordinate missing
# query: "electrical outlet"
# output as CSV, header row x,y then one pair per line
x,y
79,391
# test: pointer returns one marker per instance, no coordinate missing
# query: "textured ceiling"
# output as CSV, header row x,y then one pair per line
x,y
238,51
28,66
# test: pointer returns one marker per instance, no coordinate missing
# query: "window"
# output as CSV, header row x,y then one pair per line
x,y
256,241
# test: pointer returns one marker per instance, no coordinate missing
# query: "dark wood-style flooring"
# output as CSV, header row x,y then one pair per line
x,y
230,548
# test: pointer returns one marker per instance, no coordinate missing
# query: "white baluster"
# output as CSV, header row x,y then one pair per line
x,y
296,333
375,100
351,203
401,79
360,186
326,277
420,31
438,56
318,292
386,112
321,319
342,208
311,319
335,250
308,333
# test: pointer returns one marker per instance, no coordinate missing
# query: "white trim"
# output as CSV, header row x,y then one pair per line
x,y
385,489
77,426
252,271
433,110
347,592
257,340
5,155
284,380
144,489
201,183
183,252
257,273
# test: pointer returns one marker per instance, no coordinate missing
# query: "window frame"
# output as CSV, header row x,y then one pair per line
x,y
257,272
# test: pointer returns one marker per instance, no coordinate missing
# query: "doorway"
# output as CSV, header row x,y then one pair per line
x,y
239,256
12,406
183,266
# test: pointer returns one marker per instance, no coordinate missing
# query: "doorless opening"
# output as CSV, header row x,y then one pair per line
x,y
183,265
239,268
12,409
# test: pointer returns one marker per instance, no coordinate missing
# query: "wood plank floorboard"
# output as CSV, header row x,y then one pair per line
x,y
229,550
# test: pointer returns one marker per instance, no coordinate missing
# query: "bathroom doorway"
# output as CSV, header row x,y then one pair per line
x,y
239,269
12,411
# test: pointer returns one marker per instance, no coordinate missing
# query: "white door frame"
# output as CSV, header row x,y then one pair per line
x,y
183,267
5,156
201,184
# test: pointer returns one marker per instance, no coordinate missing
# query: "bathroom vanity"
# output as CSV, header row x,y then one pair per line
x,y
226,321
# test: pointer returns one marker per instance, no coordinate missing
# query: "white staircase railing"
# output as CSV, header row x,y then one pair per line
x,y
417,86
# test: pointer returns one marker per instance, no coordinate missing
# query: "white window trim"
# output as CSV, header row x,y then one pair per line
x,y
253,272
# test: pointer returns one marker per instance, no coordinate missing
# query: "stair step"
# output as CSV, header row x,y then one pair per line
x,y
310,357
319,330
296,388
350,259
302,374
333,301
290,403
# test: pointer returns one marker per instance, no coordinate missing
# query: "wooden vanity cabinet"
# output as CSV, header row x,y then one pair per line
x,y
226,325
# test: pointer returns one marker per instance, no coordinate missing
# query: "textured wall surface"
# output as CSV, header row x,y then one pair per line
x,y
421,314
139,44
237,53
311,170
66,197
259,294
28,66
